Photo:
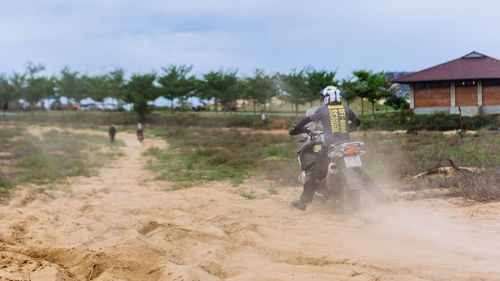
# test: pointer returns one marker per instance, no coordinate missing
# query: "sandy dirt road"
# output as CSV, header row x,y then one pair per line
x,y
122,225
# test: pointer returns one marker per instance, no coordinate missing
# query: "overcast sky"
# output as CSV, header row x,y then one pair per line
x,y
97,36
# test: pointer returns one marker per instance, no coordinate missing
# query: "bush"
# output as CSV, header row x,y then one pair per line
x,y
397,102
406,120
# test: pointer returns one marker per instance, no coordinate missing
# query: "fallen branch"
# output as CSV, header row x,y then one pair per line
x,y
443,171
453,165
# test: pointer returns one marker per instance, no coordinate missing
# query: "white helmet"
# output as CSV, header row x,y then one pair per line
x,y
331,94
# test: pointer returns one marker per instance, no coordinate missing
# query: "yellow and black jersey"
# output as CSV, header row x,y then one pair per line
x,y
335,120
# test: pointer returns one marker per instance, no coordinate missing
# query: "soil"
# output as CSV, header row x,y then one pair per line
x,y
124,225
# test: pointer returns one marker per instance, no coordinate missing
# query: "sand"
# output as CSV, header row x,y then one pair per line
x,y
123,225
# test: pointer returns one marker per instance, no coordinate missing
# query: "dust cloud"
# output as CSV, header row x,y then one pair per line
x,y
439,226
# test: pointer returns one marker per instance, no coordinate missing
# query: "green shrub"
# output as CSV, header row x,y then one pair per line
x,y
441,121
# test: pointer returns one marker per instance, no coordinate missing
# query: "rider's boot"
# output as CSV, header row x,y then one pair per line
x,y
307,193
299,204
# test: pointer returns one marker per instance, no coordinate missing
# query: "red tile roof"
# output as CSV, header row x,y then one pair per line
x,y
471,66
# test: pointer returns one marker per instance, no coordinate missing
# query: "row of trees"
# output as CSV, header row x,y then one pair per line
x,y
176,83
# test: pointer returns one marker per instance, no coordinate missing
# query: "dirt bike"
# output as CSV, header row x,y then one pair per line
x,y
341,187
140,136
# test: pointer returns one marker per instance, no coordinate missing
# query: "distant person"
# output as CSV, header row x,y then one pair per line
x,y
263,116
140,134
112,133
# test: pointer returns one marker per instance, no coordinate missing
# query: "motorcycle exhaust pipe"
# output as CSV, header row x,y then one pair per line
x,y
333,168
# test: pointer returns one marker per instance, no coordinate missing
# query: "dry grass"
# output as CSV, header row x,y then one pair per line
x,y
482,186
402,156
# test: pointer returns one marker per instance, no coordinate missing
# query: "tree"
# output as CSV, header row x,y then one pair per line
x,y
71,85
97,87
222,86
37,88
7,91
175,83
18,82
117,84
260,88
140,90
387,90
381,88
317,80
362,87
347,89
372,86
294,88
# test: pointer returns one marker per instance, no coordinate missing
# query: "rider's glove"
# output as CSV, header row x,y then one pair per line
x,y
299,128
296,131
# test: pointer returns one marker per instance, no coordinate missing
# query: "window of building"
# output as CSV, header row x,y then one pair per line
x,y
432,84
465,83
491,82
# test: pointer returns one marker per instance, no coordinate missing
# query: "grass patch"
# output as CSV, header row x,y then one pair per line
x,y
5,184
52,156
39,168
248,195
272,190
197,155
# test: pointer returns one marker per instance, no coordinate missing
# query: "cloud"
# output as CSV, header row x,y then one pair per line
x,y
277,35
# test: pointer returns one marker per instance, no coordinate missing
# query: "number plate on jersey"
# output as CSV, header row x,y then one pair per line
x,y
352,161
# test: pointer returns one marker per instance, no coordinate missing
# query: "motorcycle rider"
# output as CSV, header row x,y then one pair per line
x,y
139,131
334,118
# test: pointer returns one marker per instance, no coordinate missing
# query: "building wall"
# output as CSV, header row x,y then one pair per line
x,y
465,100
491,95
465,110
466,96
490,109
431,110
432,97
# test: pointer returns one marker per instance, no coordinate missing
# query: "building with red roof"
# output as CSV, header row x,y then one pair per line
x,y
469,85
